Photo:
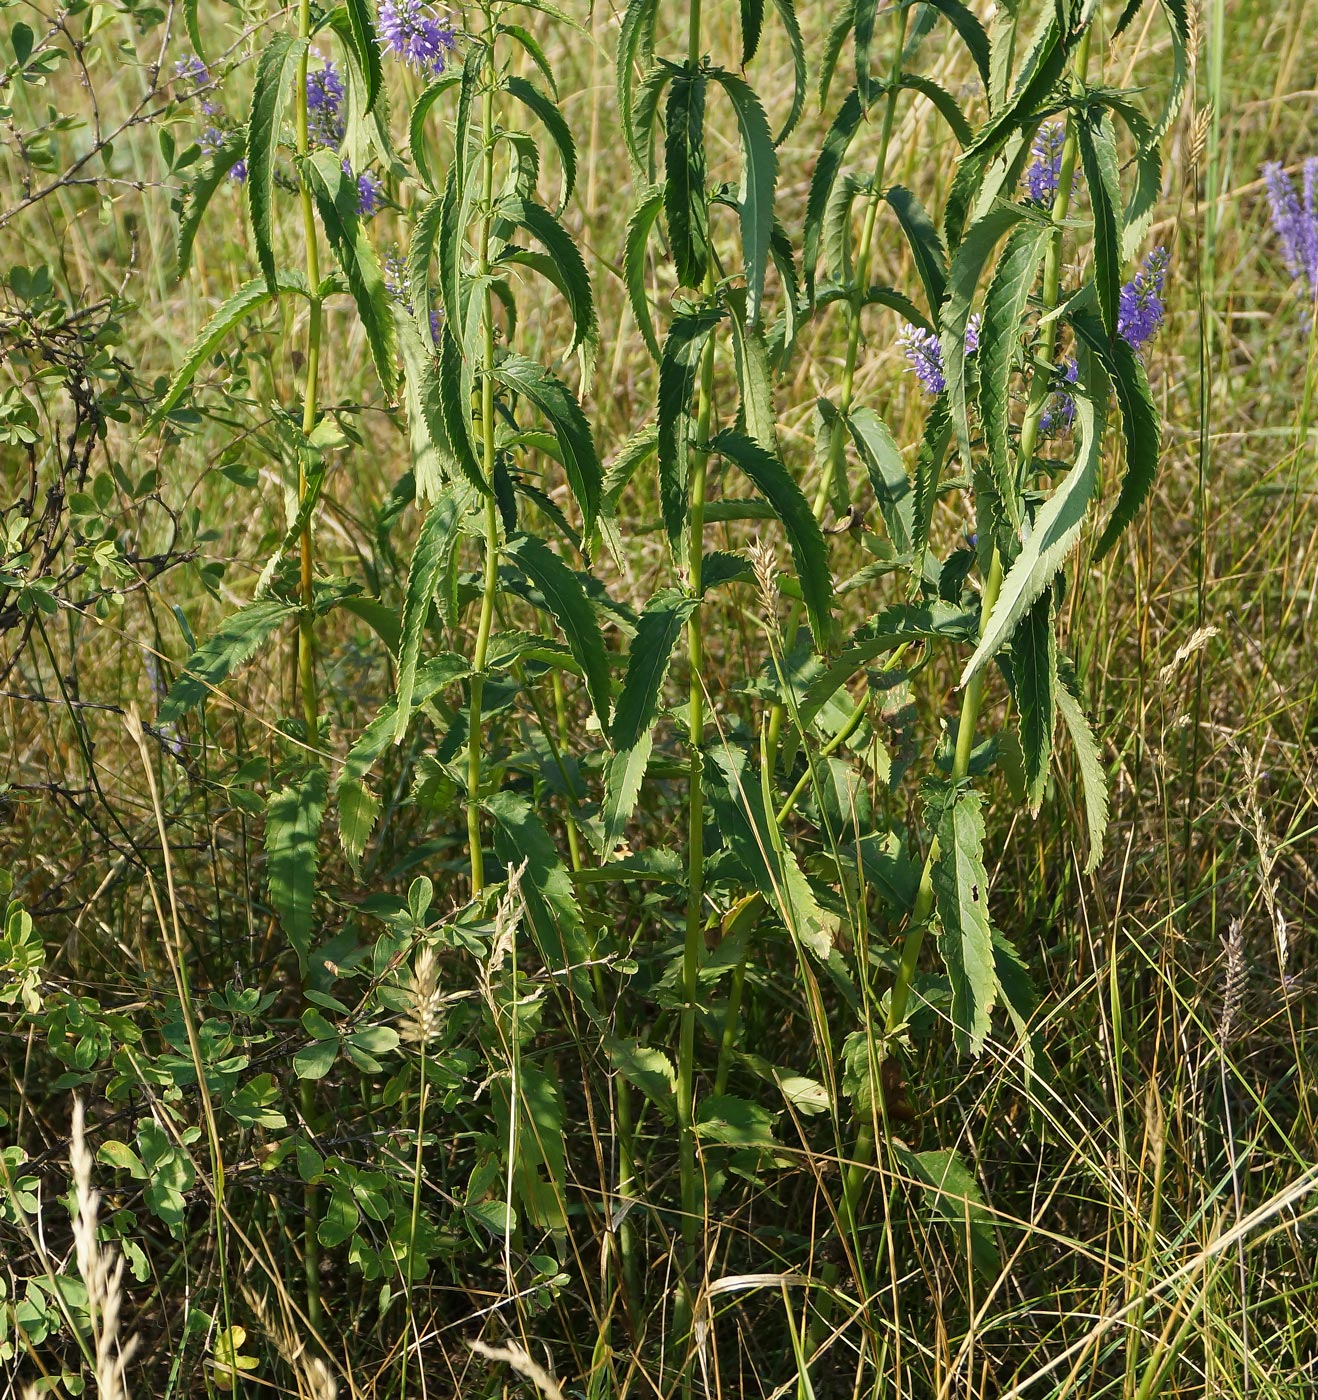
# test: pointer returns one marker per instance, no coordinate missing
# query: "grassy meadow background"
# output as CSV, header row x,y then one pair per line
x,y
1151,1188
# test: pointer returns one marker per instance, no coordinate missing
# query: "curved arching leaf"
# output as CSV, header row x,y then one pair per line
x,y
233,643
972,32
686,201
198,195
635,45
925,244
416,126
572,276
434,551
639,228
679,367
1098,156
275,74
552,119
787,15
759,174
292,828
366,47
831,156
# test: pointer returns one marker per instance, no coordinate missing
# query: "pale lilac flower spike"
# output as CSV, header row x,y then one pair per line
x,y
1296,222
413,32
1045,173
925,355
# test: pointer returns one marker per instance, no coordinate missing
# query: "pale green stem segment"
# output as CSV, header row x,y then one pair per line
x,y
306,643
475,730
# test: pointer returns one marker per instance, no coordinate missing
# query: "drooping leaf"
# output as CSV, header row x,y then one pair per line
x,y
1140,422
759,173
566,598
648,659
752,24
559,132
1034,688
576,443
972,32
366,47
865,12
925,244
1092,773
965,941
685,199
232,644
292,828
1098,156
679,368
829,163
747,827
572,276
336,201
928,467
809,553
198,195
433,459
787,15
275,73
635,45
433,552
639,228
416,126
1055,531
754,378
997,506
887,473
455,410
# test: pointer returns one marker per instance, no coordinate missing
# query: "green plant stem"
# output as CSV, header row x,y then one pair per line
x,y
306,641
475,727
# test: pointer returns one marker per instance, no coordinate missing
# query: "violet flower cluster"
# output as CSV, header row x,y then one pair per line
x,y
413,32
1295,222
191,72
327,125
398,285
1044,176
925,356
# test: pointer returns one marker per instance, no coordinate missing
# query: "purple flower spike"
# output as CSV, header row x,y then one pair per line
x,y
325,121
1295,222
1140,309
413,32
1060,413
370,194
925,355
191,69
1044,176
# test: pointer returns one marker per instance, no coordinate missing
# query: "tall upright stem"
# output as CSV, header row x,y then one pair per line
x,y
306,640
475,731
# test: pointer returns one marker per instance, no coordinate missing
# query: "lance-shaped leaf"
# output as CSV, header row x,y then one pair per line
x,y
685,198
336,200
926,246
648,659
416,126
566,598
759,173
863,32
433,553
1092,772
576,444
787,15
829,163
455,408
639,228
965,940
1034,688
889,479
809,553
292,829
997,506
755,413
274,77
434,460
1098,156
954,1196
571,275
1141,424
928,468
972,32
635,45
967,268
748,829
1055,531
248,298
752,25
546,889
198,195
366,47
679,368
559,132
233,643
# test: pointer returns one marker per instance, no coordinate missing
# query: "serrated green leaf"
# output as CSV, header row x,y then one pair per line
x,y
635,44
416,125
648,659
752,25
455,409
756,413
233,643
972,32
576,443
679,368
1055,531
787,16
572,609
551,118
650,1070
639,228
965,941
275,73
198,195
925,244
1034,688
336,201
928,467
809,552
572,276
887,473
759,174
366,47
734,1122
1098,157
434,550
747,827
433,459
997,505
685,199
292,828
1091,762
1141,424
955,1197
831,156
